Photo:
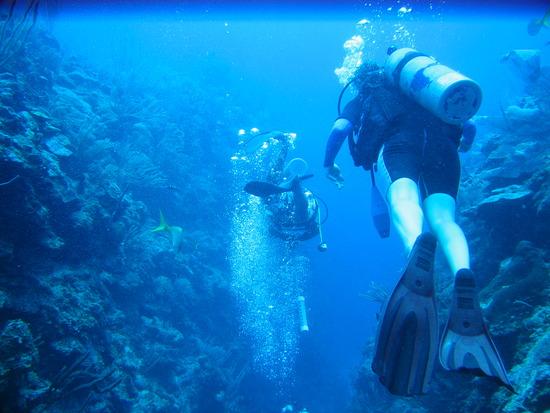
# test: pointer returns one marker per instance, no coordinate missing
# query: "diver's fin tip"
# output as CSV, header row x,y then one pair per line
x,y
466,343
407,342
264,189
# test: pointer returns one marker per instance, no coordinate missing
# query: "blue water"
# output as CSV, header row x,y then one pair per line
x,y
280,70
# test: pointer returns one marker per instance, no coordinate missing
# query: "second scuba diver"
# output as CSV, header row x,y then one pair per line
x,y
409,121
293,210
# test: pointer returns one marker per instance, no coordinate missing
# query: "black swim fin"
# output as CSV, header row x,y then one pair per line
x,y
406,346
466,344
264,189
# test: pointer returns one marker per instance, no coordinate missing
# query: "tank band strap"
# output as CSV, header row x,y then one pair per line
x,y
406,59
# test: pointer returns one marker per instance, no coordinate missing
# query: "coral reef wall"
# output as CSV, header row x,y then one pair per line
x,y
97,312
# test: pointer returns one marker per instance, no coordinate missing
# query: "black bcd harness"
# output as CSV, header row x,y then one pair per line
x,y
380,110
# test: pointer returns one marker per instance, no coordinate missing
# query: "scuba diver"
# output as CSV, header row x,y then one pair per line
x,y
294,211
406,126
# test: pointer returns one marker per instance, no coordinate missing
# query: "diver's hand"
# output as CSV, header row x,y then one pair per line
x,y
334,174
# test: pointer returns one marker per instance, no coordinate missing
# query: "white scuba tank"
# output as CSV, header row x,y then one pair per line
x,y
451,96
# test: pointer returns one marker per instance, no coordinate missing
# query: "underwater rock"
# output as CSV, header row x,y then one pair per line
x,y
515,113
540,183
40,115
35,388
79,77
50,130
75,305
68,105
8,84
517,311
157,328
67,346
11,121
84,218
524,63
531,376
6,249
7,77
52,241
508,162
17,350
13,156
19,384
517,289
65,81
3,299
513,196
148,401
512,192
163,286
497,223
58,145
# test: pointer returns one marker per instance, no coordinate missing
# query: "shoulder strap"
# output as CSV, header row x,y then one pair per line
x,y
366,106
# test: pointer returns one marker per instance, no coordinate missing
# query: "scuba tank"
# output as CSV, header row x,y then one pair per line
x,y
449,95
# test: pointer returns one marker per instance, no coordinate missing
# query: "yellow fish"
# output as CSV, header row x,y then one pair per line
x,y
535,25
176,233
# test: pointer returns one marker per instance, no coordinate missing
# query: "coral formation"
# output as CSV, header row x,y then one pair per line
x,y
98,314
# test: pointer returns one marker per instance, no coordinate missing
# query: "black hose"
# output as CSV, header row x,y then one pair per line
x,y
355,78
318,198
342,94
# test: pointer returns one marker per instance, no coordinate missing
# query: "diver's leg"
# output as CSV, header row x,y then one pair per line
x,y
407,339
440,213
441,177
405,210
406,343
397,174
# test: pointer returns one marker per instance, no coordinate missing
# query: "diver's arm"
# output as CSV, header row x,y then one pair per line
x,y
469,131
340,131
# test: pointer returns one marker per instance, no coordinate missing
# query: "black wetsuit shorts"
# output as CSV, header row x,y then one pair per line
x,y
425,149
417,145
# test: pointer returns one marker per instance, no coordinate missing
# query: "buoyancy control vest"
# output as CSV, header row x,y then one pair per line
x,y
382,109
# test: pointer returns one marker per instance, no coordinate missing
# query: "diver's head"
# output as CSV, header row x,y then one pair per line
x,y
295,168
369,75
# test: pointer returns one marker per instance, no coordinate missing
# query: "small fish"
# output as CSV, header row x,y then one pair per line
x,y
176,233
536,24
171,187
